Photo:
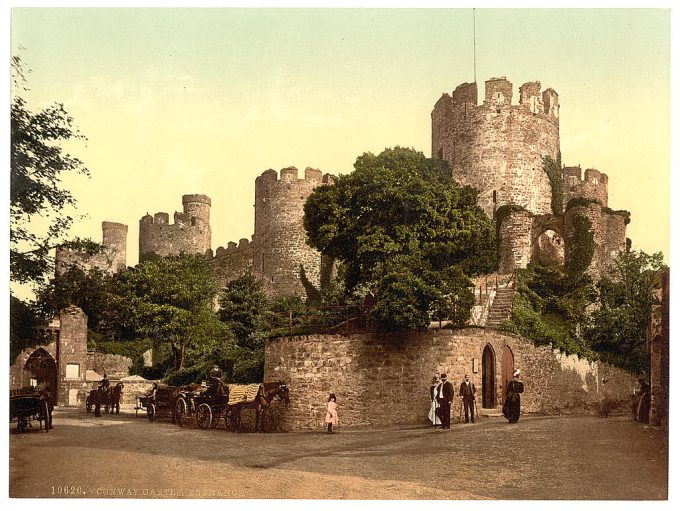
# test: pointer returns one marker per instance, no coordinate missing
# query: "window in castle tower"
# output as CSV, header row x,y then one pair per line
x,y
440,154
193,221
72,371
493,195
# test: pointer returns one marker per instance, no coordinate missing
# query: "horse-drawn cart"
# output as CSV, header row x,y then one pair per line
x,y
25,406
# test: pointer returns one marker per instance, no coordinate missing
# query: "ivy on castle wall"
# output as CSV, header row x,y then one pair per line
x,y
621,212
583,246
581,202
553,169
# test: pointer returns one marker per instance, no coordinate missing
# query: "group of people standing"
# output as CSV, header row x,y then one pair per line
x,y
442,394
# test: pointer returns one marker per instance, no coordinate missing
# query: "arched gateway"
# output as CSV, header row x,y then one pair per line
x,y
43,370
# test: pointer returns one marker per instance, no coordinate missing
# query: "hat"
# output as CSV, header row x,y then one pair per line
x,y
516,373
443,376
467,376
434,379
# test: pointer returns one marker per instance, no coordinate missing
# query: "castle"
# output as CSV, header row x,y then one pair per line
x,y
497,147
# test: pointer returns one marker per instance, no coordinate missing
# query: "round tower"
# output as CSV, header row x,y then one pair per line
x,y
280,240
114,240
498,147
197,211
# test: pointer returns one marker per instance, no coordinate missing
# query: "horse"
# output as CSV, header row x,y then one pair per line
x,y
264,398
109,398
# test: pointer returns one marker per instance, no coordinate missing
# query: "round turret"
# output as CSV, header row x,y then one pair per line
x,y
498,147
280,238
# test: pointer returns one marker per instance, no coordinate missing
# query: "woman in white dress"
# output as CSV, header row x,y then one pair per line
x,y
434,405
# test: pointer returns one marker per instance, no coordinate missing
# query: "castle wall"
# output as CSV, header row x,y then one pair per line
x,y
280,239
383,380
613,239
111,259
190,233
497,147
232,262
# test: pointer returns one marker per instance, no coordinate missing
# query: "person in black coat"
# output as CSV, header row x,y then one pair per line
x,y
444,398
511,407
467,394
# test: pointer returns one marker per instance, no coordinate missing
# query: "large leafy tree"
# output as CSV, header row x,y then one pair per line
x,y
169,300
37,166
399,222
618,329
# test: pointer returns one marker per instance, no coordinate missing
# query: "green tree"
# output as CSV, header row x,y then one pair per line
x,y
22,327
169,300
618,330
401,223
37,167
243,308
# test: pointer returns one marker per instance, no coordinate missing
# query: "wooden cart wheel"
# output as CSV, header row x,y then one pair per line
x,y
106,408
180,411
203,416
215,420
151,411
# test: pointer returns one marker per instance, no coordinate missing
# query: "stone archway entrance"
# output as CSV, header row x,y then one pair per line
x,y
507,367
43,370
488,377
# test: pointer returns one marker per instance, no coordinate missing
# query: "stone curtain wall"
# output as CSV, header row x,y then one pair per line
x,y
498,147
380,380
190,233
594,185
232,262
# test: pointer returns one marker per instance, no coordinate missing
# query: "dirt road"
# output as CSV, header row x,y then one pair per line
x,y
538,458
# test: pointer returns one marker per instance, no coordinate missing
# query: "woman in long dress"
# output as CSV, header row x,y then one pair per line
x,y
331,413
511,406
433,415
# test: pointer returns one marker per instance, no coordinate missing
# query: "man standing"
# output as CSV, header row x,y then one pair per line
x,y
444,398
467,395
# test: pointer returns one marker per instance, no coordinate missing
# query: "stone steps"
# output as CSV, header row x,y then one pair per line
x,y
501,308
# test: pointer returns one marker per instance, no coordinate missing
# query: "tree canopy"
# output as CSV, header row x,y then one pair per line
x,y
618,329
37,166
399,222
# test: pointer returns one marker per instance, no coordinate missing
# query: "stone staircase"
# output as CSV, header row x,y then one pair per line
x,y
501,307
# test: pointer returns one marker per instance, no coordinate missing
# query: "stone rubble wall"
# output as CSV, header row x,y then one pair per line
x,y
384,380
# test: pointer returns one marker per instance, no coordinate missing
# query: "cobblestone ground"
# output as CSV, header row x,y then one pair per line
x,y
538,458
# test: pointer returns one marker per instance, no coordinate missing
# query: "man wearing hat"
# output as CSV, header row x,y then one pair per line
x,y
444,398
467,395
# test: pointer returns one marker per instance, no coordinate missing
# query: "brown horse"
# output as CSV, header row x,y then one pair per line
x,y
264,398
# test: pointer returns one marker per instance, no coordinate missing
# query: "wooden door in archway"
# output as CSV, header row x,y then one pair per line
x,y
488,377
507,367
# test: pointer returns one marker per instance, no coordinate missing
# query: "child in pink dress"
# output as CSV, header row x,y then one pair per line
x,y
331,413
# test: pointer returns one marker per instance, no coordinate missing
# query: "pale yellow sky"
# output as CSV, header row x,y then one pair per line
x,y
202,101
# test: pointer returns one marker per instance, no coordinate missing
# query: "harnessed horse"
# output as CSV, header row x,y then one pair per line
x,y
264,398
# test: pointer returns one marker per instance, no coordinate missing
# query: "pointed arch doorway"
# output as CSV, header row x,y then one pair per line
x,y
507,367
43,370
488,377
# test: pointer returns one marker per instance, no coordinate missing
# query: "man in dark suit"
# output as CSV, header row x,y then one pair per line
x,y
444,398
467,395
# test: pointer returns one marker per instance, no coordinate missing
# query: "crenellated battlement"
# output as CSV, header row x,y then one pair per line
x,y
290,175
233,247
189,233
593,184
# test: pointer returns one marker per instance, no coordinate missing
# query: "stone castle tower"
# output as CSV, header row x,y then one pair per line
x,y
498,148
278,245
111,259
190,232
280,240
